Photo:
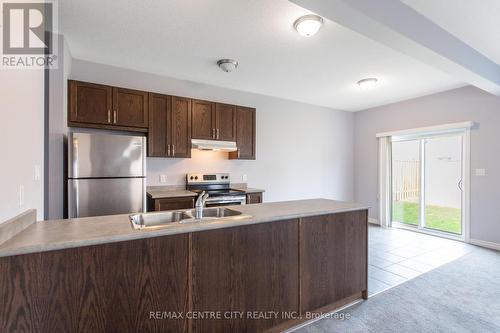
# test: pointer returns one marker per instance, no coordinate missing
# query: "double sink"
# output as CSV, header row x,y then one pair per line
x,y
171,218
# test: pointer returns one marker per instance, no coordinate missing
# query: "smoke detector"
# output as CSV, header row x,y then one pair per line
x,y
227,65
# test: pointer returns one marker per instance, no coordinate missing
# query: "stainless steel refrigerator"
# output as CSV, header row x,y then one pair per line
x,y
106,174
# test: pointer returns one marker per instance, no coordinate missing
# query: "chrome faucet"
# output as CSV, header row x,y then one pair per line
x,y
200,203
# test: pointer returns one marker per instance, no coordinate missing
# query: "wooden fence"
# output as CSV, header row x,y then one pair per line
x,y
405,180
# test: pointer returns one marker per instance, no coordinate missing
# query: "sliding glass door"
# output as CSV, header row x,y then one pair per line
x,y
427,183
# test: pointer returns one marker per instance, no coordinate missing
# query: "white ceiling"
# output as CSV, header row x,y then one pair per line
x,y
184,39
476,22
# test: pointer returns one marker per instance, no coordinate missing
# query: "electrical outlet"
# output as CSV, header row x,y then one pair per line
x,y
163,179
38,172
480,172
244,178
21,195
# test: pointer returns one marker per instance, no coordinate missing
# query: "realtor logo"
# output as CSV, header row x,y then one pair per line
x,y
28,34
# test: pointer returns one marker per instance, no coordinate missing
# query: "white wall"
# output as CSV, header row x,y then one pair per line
x,y
457,105
58,81
21,134
303,151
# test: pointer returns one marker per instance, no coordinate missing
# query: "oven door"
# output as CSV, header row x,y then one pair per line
x,y
225,201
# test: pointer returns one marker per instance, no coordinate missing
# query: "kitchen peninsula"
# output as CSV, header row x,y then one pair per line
x,y
287,258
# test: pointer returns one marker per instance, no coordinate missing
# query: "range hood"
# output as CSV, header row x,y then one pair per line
x,y
213,145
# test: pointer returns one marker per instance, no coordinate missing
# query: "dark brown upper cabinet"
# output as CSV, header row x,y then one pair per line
x,y
169,126
101,106
90,103
225,116
181,127
130,107
203,122
245,134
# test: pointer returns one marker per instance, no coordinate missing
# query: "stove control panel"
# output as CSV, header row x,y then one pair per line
x,y
209,178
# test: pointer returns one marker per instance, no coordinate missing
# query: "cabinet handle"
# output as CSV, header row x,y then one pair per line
x,y
173,150
213,133
115,116
238,153
109,116
217,134
168,150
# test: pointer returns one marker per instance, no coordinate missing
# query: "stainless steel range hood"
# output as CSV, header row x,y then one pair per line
x,y
213,145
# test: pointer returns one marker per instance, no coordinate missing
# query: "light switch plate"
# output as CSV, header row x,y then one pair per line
x,y
163,178
244,178
480,172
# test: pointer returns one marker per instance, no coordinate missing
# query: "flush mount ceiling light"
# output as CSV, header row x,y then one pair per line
x,y
227,65
367,83
308,25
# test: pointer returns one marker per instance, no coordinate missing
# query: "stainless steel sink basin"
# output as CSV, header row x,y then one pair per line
x,y
171,218
216,212
145,220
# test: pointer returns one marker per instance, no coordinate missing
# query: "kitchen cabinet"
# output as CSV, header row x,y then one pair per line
x,y
102,288
245,134
254,198
130,107
333,258
203,120
100,106
249,268
170,203
213,121
90,103
225,122
169,126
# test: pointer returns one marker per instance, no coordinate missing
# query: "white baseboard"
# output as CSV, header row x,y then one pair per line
x,y
482,243
374,221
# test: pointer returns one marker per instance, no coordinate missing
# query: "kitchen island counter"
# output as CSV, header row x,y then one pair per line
x,y
70,233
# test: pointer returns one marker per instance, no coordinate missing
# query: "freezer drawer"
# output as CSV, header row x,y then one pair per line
x,y
106,196
106,155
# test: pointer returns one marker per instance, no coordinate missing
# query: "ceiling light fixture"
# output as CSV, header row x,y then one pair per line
x,y
227,65
367,83
308,25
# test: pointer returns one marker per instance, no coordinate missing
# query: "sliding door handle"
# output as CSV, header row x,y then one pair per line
x,y
460,185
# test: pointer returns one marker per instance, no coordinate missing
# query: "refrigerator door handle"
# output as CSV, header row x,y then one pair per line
x,y
76,198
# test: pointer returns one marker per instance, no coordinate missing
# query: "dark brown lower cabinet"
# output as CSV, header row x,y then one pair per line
x,y
242,269
333,258
156,205
175,283
254,198
104,288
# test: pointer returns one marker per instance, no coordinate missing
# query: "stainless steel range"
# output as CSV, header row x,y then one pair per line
x,y
217,185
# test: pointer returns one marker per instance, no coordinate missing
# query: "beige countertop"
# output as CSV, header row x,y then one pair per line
x,y
164,194
61,234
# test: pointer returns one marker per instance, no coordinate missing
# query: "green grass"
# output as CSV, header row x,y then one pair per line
x,y
436,217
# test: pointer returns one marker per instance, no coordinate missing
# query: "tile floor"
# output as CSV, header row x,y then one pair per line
x,y
397,255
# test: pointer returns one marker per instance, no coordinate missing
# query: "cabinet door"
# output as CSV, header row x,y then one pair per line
x,y
226,122
159,124
203,120
90,103
333,258
130,107
174,203
254,198
181,127
245,134
247,268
